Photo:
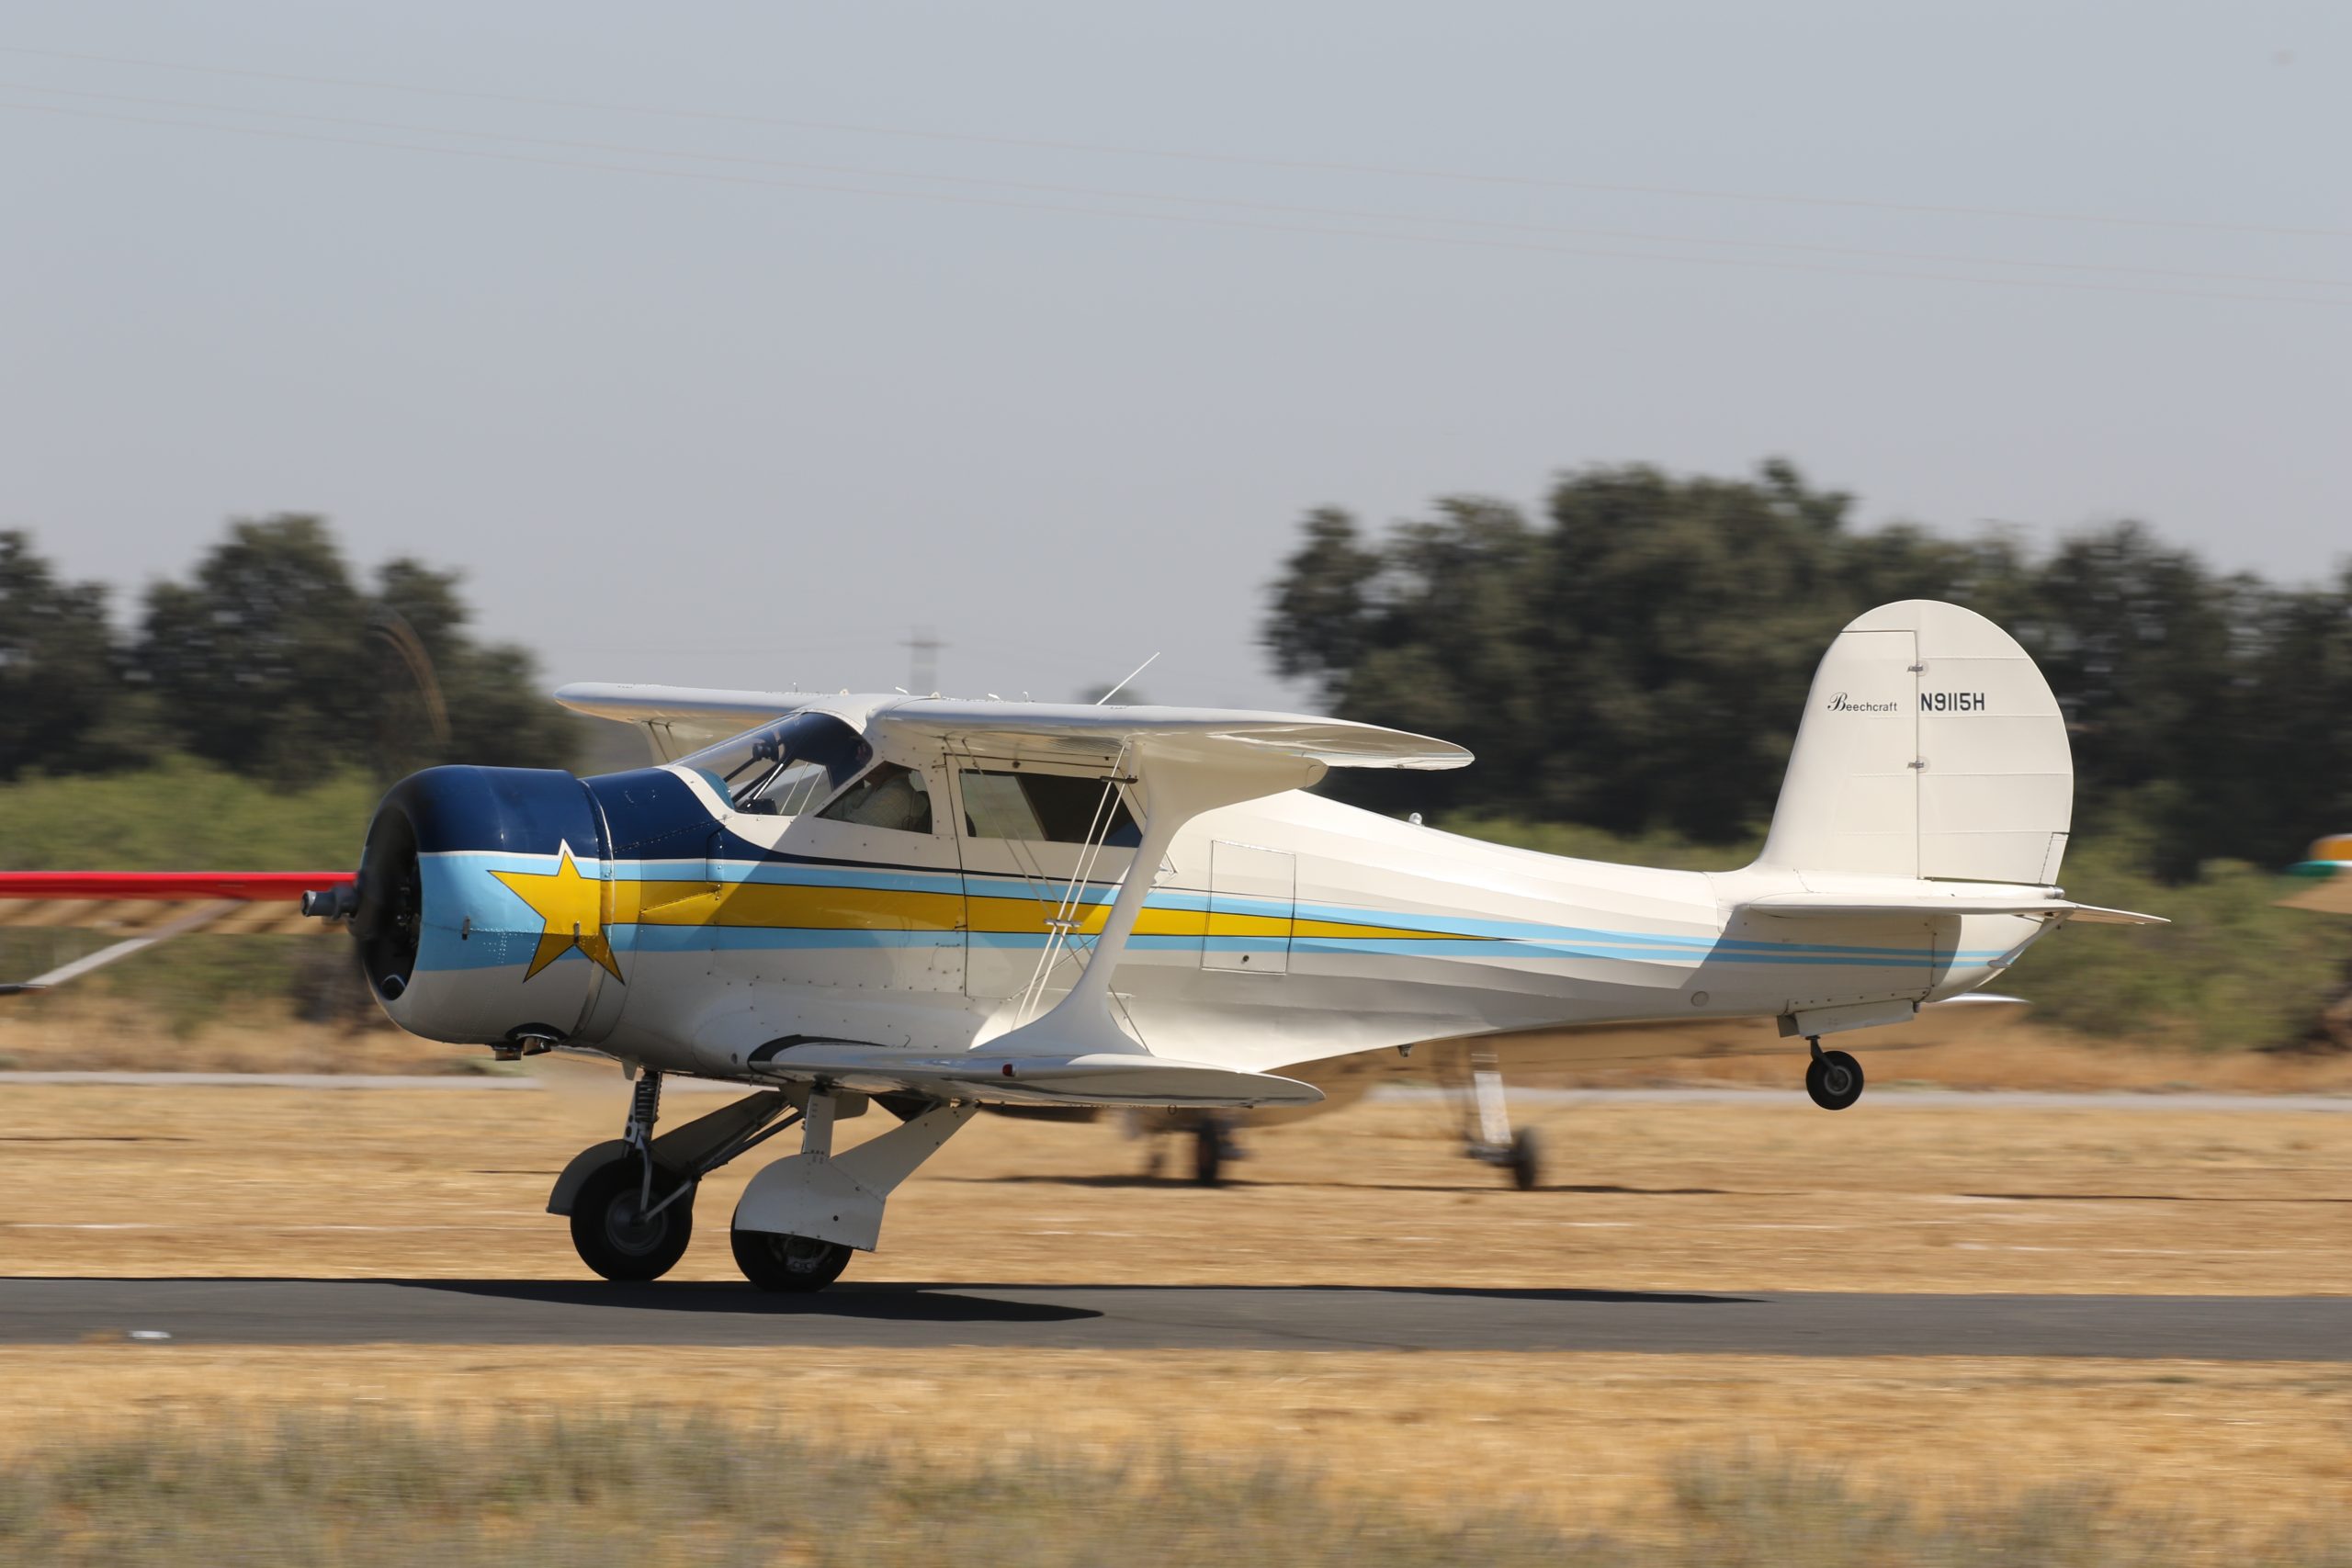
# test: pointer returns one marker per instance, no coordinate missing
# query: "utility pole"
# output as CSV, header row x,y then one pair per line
x,y
923,663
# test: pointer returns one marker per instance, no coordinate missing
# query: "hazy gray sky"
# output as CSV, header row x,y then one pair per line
x,y
736,392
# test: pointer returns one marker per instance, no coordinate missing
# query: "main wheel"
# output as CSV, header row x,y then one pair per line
x,y
614,1230
787,1262
1208,1151
1526,1159
1834,1079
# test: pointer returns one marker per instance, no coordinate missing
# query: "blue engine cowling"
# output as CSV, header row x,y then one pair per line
x,y
485,898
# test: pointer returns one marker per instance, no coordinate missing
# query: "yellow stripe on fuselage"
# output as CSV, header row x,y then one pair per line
x,y
794,907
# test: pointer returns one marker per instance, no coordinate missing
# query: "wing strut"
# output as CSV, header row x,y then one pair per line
x,y
1065,917
1180,782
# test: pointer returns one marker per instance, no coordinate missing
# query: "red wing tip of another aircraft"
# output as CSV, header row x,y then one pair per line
x,y
248,886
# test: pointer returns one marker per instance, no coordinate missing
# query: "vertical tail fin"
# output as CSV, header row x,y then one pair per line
x,y
1930,747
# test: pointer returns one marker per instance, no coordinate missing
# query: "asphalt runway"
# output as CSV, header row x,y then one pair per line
x,y
916,1316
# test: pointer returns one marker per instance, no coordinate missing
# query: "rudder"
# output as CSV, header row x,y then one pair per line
x,y
1930,747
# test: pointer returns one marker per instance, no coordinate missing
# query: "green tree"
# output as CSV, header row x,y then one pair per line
x,y
1637,660
492,709
59,679
271,660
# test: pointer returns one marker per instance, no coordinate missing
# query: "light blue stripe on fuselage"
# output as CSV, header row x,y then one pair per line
x,y
1431,934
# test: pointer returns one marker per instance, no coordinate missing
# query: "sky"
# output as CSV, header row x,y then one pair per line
x,y
729,344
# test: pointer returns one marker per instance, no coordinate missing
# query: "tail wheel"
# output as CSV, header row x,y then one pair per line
x,y
791,1263
621,1235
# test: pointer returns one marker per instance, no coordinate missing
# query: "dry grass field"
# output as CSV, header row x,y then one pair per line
x,y
1580,1440
1927,1197
1775,1195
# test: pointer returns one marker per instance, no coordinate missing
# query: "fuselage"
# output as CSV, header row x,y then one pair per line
x,y
642,915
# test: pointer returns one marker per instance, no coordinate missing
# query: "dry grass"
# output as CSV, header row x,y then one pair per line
x,y
253,1181
634,1486
1960,1196
1570,1439
88,1031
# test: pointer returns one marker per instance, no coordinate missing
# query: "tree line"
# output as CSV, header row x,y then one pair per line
x,y
1635,658
271,659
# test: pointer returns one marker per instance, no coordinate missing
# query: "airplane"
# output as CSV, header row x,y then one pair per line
x,y
2326,872
2324,883
936,905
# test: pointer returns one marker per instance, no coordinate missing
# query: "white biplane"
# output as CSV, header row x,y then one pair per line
x,y
937,906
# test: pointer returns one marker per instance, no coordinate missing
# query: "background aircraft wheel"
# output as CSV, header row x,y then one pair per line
x,y
787,1262
610,1229
1526,1161
1834,1079
1208,1151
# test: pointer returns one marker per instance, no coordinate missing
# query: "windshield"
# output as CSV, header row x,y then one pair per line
x,y
785,768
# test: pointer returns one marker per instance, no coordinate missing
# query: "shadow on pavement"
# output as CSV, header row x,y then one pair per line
x,y
898,1302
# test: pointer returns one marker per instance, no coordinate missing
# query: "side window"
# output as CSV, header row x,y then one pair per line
x,y
889,796
994,808
1053,808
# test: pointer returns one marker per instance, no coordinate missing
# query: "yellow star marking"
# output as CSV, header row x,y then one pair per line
x,y
573,907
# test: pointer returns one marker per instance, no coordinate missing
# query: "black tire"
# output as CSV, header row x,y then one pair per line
x,y
1526,1161
609,1231
1834,1079
795,1264
1208,1152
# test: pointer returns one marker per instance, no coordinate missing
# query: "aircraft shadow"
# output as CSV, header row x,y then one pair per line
x,y
1562,1293
894,1303
909,1301
1244,1184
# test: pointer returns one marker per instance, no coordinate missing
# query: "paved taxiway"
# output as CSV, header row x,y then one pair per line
x,y
897,1316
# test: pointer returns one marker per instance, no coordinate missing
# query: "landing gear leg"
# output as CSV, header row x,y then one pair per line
x,y
1832,1078
801,1217
1211,1147
631,1201
631,1220
1486,1133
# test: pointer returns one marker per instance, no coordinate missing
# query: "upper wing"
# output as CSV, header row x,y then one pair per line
x,y
679,719
143,908
1204,734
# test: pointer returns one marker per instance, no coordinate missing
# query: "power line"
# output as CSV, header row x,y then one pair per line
x,y
1195,219
1186,155
1283,209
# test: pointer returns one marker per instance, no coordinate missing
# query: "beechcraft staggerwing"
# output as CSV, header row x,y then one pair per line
x,y
935,906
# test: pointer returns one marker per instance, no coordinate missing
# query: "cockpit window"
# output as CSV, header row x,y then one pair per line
x,y
889,796
1050,808
784,769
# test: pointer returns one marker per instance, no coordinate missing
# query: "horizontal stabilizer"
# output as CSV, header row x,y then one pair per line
x,y
1821,905
1108,1078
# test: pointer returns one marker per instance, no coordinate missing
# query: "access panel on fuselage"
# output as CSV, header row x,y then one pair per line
x,y
1253,898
